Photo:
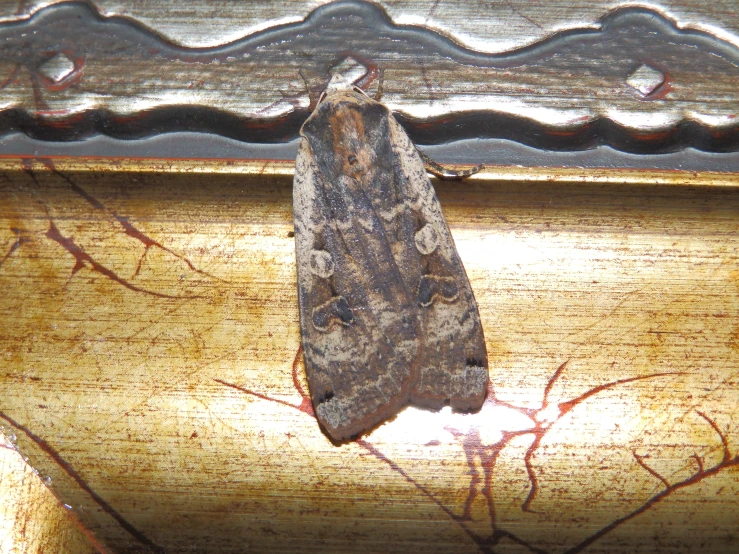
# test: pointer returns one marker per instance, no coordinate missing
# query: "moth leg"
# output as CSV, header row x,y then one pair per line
x,y
312,100
366,81
380,85
445,173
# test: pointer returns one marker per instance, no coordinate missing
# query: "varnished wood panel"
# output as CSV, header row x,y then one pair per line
x,y
31,518
150,366
658,77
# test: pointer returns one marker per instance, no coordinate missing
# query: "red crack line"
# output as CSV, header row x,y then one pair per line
x,y
726,462
312,97
259,395
488,455
20,239
699,461
24,6
488,462
484,543
372,73
124,222
396,468
520,14
305,405
427,82
38,96
550,384
431,12
380,84
724,440
81,257
474,448
69,470
472,445
567,406
540,429
641,462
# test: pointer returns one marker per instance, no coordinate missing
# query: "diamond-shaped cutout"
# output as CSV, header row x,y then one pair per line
x,y
645,79
57,68
349,70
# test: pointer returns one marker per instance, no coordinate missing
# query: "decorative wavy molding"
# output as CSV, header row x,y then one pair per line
x,y
637,83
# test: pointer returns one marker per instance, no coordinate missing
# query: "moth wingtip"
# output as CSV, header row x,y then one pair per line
x,y
464,389
332,416
476,381
476,377
341,426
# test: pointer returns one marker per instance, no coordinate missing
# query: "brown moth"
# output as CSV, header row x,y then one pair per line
x,y
387,314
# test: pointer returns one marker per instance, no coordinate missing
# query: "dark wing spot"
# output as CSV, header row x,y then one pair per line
x,y
343,311
326,396
335,310
448,289
431,286
425,291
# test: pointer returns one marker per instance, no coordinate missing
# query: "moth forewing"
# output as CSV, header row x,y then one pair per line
x,y
387,314
452,361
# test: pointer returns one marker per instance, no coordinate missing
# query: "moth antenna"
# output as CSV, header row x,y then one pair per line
x,y
446,173
308,89
380,85
359,90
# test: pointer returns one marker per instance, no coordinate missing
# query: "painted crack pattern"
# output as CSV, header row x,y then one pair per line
x,y
82,258
20,239
135,533
129,228
481,481
482,456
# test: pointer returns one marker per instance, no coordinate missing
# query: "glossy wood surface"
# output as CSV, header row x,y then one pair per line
x,y
150,366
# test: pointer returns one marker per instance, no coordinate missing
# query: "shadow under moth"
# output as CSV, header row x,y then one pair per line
x,y
387,315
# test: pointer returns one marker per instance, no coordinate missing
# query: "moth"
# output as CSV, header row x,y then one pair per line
x,y
387,315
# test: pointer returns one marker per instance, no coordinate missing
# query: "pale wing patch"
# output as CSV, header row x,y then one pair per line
x,y
321,264
427,239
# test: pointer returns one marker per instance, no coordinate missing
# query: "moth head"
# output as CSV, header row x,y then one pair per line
x,y
340,83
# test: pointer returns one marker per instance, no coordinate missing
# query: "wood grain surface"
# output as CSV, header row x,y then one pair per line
x,y
31,518
150,369
657,77
151,366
